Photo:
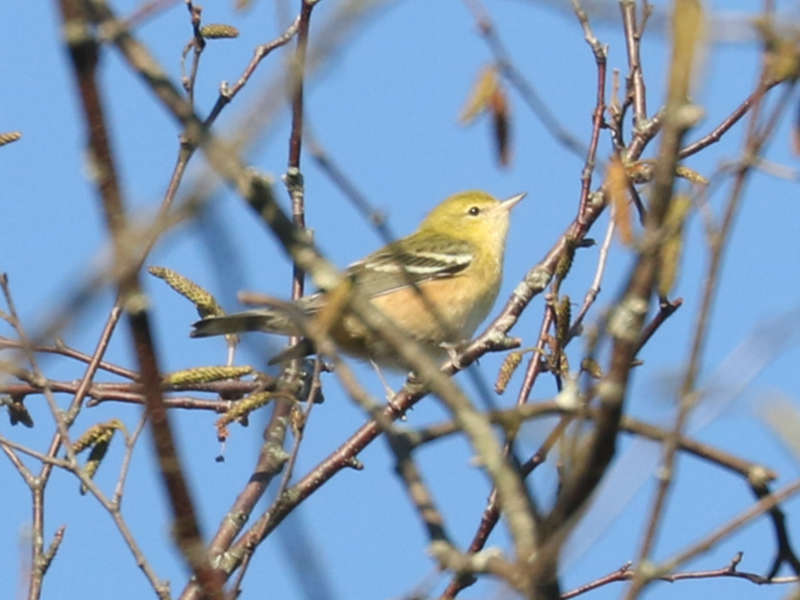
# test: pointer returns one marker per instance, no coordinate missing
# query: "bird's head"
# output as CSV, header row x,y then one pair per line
x,y
473,216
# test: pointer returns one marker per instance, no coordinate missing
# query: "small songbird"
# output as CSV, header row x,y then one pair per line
x,y
437,285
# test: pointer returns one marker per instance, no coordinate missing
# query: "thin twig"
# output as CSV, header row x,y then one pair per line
x,y
625,573
226,93
83,51
635,79
64,350
687,397
627,318
524,87
716,134
130,444
600,52
594,288
196,46
759,508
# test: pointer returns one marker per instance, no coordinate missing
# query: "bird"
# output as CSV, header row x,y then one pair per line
x,y
436,284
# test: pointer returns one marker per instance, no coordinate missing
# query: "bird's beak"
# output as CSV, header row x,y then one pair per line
x,y
507,205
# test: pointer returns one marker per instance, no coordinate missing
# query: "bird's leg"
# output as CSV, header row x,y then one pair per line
x,y
454,350
390,393
386,388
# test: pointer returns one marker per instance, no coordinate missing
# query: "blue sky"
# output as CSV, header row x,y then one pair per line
x,y
386,108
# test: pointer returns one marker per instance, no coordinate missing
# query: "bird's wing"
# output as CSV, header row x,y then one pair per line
x,y
411,261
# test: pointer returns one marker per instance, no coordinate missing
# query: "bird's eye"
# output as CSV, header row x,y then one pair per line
x,y
474,211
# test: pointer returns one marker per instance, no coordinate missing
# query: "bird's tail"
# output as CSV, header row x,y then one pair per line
x,y
267,320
